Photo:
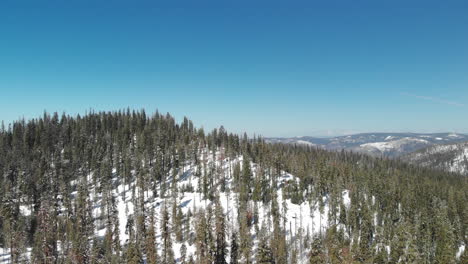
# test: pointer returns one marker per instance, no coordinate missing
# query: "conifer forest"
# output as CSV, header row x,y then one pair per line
x,y
131,187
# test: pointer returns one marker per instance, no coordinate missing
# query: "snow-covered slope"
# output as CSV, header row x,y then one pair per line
x,y
393,147
377,144
449,157
300,219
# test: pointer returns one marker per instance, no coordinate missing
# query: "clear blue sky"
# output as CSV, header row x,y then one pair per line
x,y
276,68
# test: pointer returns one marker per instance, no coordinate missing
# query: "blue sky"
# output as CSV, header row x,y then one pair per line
x,y
275,68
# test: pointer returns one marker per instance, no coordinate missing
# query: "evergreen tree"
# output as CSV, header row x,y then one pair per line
x,y
221,248
234,249
264,253
317,254
445,251
151,248
167,255
183,254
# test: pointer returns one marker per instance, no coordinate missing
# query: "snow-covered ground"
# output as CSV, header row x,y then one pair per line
x,y
5,255
304,217
460,251
303,142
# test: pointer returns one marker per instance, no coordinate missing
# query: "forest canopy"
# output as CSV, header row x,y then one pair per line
x,y
56,169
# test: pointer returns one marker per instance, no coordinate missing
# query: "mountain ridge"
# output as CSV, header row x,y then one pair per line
x,y
378,143
452,157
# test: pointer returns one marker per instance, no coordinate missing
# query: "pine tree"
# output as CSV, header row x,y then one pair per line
x,y
220,254
236,177
203,239
9,213
179,224
151,249
333,244
317,254
245,185
167,256
264,253
398,244
133,255
445,252
245,239
366,235
411,253
381,257
234,249
183,254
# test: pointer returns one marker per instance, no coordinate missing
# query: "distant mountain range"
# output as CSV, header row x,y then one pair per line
x,y
377,144
448,157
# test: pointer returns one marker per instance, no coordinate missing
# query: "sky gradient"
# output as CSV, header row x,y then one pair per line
x,y
275,68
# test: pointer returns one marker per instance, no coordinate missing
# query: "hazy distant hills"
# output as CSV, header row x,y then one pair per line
x,y
377,144
448,157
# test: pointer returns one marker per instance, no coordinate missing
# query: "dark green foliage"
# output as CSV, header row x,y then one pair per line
x,y
264,253
220,229
234,249
317,253
167,255
150,246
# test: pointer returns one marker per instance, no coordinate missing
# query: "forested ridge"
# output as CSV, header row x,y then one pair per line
x,y
448,157
190,196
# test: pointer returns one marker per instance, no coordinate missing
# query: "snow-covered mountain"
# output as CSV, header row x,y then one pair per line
x,y
377,144
448,157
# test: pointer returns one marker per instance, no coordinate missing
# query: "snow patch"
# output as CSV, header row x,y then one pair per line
x,y
460,251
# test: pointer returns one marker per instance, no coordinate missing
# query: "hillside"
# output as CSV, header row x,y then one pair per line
x,y
124,187
447,157
377,144
191,200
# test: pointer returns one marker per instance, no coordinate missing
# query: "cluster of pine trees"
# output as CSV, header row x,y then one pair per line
x,y
60,165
